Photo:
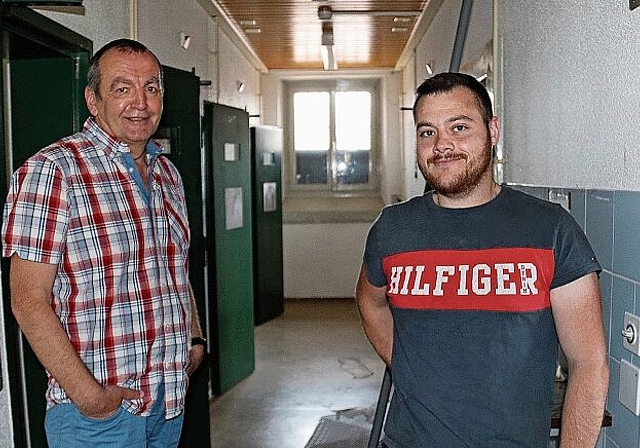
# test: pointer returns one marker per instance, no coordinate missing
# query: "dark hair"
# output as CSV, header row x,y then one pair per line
x,y
126,45
446,82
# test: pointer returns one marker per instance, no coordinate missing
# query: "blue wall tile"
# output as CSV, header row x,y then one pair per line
x,y
611,221
623,298
606,284
625,429
599,225
578,206
626,220
635,359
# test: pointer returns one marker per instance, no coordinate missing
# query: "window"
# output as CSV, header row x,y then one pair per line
x,y
332,137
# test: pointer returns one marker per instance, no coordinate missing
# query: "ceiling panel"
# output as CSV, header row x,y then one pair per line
x,y
287,34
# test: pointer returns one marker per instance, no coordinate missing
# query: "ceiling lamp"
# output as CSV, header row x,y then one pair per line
x,y
328,58
325,12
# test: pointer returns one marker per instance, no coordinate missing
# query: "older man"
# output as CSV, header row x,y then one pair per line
x,y
96,228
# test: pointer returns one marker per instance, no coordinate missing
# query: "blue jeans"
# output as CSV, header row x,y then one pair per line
x,y
66,427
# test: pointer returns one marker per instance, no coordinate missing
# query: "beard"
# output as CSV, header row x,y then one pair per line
x,y
461,183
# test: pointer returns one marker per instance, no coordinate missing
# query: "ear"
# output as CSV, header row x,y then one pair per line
x,y
494,130
91,100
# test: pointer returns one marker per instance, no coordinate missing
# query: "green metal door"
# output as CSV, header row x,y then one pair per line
x,y
179,132
42,96
229,243
266,145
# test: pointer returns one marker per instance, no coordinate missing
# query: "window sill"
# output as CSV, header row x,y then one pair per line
x,y
331,210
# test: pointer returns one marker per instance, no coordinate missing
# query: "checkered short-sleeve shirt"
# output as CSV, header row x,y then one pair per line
x,y
121,291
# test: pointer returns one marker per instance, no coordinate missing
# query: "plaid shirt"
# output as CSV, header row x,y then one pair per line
x,y
121,291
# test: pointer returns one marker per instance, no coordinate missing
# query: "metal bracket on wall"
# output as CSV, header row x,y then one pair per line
x,y
634,4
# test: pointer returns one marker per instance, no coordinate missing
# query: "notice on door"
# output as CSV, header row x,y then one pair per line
x,y
269,197
233,208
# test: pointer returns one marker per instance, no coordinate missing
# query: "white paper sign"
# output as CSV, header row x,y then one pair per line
x,y
233,208
269,197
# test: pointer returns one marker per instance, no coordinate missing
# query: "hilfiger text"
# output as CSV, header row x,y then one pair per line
x,y
502,279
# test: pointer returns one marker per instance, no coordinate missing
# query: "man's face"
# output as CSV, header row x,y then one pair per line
x,y
453,142
130,102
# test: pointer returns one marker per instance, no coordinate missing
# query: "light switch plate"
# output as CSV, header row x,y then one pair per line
x,y
629,391
562,198
631,323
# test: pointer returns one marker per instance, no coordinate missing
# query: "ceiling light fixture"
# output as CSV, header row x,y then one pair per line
x,y
328,58
325,12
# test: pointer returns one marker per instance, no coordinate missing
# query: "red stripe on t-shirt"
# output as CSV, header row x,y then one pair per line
x,y
506,279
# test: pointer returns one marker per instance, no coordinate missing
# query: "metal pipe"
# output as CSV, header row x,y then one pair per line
x,y
133,19
381,410
461,34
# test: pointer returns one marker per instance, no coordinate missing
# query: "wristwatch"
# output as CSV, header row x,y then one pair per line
x,y
198,341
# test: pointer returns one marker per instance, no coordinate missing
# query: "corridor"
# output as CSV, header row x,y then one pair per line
x,y
310,362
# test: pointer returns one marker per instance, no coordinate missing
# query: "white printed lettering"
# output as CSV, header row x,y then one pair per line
x,y
485,282
394,281
462,287
418,289
502,277
528,278
442,277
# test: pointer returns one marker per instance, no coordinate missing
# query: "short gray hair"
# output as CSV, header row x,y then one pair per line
x,y
127,45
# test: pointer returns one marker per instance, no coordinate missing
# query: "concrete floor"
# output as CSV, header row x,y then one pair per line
x,y
310,362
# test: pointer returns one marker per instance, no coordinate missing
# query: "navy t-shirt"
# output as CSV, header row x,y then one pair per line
x,y
475,345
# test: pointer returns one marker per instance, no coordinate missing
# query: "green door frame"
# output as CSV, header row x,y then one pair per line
x,y
45,38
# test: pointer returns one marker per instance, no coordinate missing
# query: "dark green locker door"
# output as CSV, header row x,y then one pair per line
x,y
47,66
266,145
229,243
179,133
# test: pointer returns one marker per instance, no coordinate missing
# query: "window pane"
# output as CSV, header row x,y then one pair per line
x,y
353,121
311,136
311,167
353,137
352,167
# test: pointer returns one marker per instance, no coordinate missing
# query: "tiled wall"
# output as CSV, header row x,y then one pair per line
x,y
611,220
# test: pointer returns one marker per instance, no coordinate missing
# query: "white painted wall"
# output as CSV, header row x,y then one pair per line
x,y
571,92
322,260
101,22
158,24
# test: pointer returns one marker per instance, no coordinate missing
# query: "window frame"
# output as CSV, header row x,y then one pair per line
x,y
331,188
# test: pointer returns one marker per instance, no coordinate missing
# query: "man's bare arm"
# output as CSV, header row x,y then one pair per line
x,y
31,285
577,311
376,317
196,352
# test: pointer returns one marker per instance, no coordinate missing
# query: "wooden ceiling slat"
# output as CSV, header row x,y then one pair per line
x,y
289,24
